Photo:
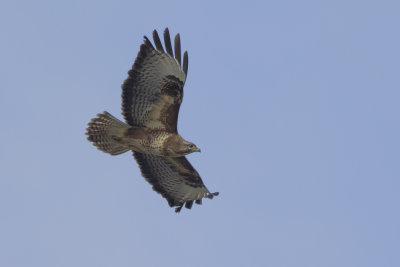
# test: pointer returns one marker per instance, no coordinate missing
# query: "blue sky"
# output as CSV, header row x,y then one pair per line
x,y
295,105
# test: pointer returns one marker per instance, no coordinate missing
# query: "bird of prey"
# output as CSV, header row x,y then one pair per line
x,y
151,97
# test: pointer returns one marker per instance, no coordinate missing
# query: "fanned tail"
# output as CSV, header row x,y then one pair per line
x,y
104,132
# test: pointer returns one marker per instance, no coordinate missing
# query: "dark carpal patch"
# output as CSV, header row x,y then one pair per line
x,y
169,117
173,89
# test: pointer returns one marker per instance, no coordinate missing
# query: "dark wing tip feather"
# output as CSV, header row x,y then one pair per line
x,y
177,46
147,42
212,195
167,41
178,209
185,62
157,41
189,204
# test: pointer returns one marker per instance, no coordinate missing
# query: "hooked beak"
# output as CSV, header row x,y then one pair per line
x,y
197,149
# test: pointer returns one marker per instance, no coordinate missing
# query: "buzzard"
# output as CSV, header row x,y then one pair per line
x,y
151,97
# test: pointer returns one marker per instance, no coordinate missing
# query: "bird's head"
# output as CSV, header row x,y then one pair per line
x,y
176,146
190,148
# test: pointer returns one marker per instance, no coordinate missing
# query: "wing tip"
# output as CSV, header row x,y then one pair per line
x,y
185,62
188,204
212,195
157,41
168,47
167,42
177,47
147,42
178,209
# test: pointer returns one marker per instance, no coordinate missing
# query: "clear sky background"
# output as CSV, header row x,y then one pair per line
x,y
295,105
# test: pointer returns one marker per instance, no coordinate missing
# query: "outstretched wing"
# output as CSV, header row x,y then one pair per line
x,y
174,178
153,92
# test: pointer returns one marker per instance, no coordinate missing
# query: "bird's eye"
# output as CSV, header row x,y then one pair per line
x,y
191,146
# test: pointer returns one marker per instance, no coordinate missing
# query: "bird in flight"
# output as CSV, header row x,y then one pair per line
x,y
151,97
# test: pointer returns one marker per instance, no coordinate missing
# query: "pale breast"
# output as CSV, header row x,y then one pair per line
x,y
154,144
146,141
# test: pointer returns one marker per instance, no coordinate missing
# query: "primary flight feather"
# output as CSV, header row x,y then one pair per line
x,y
151,97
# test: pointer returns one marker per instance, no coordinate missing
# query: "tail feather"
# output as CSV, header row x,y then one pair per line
x,y
104,132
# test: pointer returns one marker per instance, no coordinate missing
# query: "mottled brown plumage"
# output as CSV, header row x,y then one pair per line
x,y
151,99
